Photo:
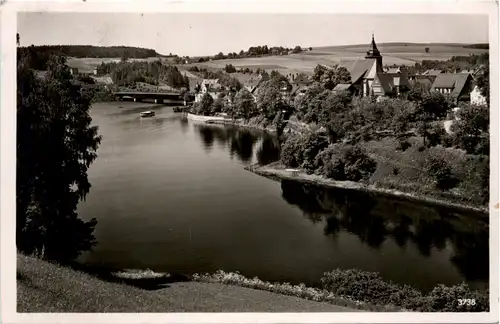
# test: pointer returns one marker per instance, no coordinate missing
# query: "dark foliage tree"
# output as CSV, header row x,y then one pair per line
x,y
483,81
301,150
471,130
442,174
204,107
55,146
128,73
331,76
345,162
270,100
230,68
245,105
433,105
297,49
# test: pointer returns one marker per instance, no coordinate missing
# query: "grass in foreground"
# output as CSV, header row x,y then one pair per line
x,y
46,287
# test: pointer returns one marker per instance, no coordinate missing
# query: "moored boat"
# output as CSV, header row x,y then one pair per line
x,y
148,113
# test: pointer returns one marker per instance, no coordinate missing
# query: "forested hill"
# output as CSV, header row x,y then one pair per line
x,y
93,51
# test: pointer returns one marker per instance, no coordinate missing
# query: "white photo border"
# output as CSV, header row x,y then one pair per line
x,y
8,23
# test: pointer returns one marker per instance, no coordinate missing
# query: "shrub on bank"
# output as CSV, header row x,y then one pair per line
x,y
371,288
365,290
440,171
345,162
301,150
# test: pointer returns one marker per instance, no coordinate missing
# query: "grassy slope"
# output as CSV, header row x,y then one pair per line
x,y
45,287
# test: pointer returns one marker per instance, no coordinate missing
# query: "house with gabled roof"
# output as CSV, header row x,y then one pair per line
x,y
458,85
211,85
434,72
252,83
369,79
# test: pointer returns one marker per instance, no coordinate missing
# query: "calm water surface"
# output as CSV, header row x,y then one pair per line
x,y
172,195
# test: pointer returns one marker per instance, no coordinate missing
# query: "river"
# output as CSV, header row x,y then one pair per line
x,y
172,195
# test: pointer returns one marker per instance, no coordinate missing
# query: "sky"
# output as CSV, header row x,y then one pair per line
x,y
210,33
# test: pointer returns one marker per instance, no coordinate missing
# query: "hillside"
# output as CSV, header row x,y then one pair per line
x,y
82,51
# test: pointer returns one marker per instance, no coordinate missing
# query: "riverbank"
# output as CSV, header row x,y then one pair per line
x,y
46,287
277,171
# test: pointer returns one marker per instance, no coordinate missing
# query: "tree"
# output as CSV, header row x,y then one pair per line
x,y
471,130
483,81
345,162
270,99
244,105
433,106
18,40
55,146
310,48
427,50
329,77
204,107
230,68
297,49
441,172
217,106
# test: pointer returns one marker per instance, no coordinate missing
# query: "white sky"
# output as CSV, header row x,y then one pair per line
x,y
209,33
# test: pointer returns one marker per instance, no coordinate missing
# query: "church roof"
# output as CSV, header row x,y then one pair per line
x,y
360,68
373,50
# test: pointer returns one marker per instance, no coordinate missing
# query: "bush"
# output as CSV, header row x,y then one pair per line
x,y
447,299
404,145
345,162
441,172
289,152
370,287
301,150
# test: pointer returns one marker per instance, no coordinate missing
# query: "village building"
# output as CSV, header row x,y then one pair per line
x,y
476,98
99,70
73,71
299,84
433,72
253,82
210,86
457,85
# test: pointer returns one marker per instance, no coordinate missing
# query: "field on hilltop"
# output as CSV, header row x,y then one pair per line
x,y
393,53
305,62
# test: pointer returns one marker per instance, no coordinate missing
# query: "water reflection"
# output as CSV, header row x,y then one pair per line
x,y
241,143
269,151
376,219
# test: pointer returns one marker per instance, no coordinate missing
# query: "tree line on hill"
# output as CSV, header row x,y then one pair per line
x,y
82,51
127,73
454,63
253,51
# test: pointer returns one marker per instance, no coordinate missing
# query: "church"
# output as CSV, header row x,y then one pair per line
x,y
369,79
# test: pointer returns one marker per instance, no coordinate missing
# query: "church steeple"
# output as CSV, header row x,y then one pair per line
x,y
373,52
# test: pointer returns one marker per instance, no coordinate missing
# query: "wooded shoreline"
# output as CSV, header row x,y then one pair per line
x,y
274,172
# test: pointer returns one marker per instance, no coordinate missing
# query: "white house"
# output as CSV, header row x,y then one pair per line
x,y
476,98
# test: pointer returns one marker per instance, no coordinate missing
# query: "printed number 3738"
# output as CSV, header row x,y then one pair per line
x,y
466,302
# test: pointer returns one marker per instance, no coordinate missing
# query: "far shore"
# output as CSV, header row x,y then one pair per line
x,y
276,171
